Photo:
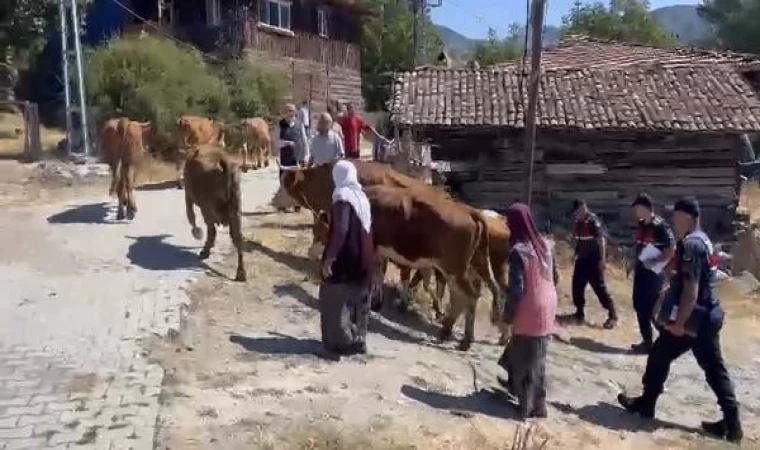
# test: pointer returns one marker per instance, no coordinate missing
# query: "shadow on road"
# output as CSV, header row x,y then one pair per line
x,y
295,262
480,402
412,333
95,213
593,346
279,344
614,418
153,253
160,186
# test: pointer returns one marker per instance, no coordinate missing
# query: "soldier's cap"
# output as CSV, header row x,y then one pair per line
x,y
642,200
688,205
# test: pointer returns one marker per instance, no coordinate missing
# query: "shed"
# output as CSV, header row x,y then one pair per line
x,y
603,135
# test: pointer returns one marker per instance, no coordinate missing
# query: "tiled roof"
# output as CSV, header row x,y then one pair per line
x,y
700,98
583,51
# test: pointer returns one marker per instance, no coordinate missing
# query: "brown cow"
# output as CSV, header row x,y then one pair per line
x,y
417,229
257,141
312,188
213,183
128,158
193,131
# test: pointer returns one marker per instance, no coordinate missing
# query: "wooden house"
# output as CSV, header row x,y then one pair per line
x,y
314,42
604,135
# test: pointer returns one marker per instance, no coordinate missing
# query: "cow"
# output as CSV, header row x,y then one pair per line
x,y
193,131
126,159
422,230
313,187
257,141
212,182
110,142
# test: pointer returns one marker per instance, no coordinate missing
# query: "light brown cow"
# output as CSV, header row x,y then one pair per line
x,y
213,183
417,229
128,158
257,141
193,131
111,143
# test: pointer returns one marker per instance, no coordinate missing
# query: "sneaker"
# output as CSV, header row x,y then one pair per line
x,y
636,405
642,348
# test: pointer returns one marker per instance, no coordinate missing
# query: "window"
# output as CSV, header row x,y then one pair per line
x,y
275,13
322,21
213,13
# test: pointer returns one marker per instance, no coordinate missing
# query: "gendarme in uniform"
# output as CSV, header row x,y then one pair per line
x,y
695,264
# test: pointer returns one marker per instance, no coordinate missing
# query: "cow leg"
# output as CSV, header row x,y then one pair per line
x,y
190,212
180,166
457,304
112,188
379,284
237,239
405,299
130,188
471,299
440,290
244,167
210,240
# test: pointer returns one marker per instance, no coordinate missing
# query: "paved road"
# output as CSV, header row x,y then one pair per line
x,y
77,292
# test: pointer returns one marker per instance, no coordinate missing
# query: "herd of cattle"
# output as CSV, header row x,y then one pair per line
x,y
415,226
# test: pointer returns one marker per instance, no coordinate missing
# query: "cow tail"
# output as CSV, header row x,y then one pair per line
x,y
482,260
233,188
119,181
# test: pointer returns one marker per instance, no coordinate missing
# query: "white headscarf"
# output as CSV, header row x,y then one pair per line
x,y
348,189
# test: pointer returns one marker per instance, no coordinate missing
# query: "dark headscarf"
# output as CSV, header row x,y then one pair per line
x,y
523,229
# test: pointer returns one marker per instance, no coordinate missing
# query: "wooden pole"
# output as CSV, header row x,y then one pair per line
x,y
538,7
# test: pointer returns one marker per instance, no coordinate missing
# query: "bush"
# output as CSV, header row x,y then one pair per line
x,y
154,79
253,91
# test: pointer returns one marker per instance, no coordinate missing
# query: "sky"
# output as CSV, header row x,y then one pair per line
x,y
472,18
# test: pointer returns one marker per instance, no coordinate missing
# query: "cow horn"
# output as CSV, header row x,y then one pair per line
x,y
289,168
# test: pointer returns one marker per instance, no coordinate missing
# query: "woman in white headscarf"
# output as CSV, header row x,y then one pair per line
x,y
344,300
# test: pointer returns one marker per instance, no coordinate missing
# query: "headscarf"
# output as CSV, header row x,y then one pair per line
x,y
523,230
348,189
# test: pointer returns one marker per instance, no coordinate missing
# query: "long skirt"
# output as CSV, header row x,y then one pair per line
x,y
344,316
524,359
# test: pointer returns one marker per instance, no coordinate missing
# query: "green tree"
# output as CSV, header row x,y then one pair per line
x,y
388,47
622,20
737,23
23,24
496,50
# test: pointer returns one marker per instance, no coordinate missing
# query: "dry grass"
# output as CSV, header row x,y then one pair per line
x,y
12,136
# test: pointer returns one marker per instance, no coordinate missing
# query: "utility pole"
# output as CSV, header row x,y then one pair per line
x,y
538,8
69,8
420,9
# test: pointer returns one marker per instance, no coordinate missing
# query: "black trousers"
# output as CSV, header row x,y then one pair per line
x,y
646,291
587,272
706,349
287,158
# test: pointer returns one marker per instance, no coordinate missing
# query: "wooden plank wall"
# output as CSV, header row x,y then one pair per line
x,y
608,170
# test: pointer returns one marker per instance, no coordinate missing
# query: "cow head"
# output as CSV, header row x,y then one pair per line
x,y
292,181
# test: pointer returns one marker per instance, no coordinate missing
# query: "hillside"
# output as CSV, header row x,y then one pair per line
x,y
460,47
683,22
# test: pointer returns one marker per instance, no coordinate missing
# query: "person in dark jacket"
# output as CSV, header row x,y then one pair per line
x,y
290,139
691,317
347,263
590,264
647,280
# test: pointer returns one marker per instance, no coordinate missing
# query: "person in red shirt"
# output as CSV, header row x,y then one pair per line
x,y
352,126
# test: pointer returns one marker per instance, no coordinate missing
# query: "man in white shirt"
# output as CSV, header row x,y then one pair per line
x,y
327,145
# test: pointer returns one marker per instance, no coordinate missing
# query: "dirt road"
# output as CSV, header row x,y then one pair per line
x,y
244,374
79,292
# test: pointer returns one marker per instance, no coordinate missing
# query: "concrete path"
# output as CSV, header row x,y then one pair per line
x,y
77,292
